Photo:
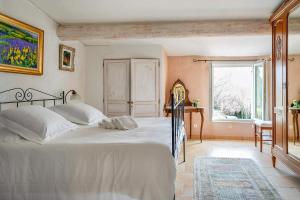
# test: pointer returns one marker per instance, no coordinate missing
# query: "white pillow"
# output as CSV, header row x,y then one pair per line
x,y
35,123
79,113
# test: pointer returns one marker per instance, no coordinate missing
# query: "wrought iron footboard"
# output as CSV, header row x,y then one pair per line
x,y
178,131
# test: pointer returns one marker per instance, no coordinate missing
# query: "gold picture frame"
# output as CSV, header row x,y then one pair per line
x,y
66,58
21,47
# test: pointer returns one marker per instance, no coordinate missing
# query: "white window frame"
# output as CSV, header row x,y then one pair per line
x,y
259,64
232,64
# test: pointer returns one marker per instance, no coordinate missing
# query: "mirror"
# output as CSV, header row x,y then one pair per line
x,y
180,92
293,82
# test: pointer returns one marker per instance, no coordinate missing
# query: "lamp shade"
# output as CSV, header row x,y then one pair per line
x,y
75,97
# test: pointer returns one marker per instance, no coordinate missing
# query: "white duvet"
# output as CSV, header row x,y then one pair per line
x,y
91,163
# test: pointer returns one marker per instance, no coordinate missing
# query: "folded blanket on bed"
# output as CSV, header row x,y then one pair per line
x,y
124,122
107,124
121,123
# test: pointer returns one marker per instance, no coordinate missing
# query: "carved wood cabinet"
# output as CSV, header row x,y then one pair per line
x,y
280,66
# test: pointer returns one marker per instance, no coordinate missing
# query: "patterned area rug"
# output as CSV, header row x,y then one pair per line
x,y
230,178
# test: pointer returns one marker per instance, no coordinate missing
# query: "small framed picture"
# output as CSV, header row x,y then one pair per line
x,y
66,58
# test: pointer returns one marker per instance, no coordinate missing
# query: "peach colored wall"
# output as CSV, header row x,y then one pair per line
x,y
196,77
293,87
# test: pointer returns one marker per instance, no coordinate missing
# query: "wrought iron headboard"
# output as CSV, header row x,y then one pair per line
x,y
27,96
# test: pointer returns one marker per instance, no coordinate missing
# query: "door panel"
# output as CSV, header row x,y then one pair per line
x,y
145,87
145,109
116,87
115,108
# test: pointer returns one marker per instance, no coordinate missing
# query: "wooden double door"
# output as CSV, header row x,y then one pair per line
x,y
131,87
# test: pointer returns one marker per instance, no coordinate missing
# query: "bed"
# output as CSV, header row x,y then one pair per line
x,y
93,163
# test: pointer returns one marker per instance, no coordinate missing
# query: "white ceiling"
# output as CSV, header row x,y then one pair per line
x,y
96,11
107,11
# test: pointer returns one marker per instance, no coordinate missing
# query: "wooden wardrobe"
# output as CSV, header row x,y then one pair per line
x,y
280,75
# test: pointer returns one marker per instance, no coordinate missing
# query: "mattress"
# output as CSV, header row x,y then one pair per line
x,y
92,163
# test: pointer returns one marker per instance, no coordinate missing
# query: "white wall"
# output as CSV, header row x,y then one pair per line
x,y
53,80
94,70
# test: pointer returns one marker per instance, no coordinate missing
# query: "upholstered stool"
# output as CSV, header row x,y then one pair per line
x,y
259,127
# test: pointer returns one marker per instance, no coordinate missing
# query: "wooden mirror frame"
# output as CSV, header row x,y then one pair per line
x,y
187,101
279,22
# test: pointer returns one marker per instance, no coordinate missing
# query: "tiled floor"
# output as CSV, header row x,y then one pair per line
x,y
294,148
286,183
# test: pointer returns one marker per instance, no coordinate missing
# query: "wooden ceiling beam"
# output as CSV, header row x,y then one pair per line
x,y
164,29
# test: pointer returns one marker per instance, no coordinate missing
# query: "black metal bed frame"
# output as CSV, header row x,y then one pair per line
x,y
178,131
27,96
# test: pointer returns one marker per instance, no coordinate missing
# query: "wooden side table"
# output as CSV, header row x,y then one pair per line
x,y
191,110
295,112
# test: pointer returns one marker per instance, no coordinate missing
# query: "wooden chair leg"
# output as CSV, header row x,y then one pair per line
x,y
184,149
261,139
273,161
255,136
294,127
297,127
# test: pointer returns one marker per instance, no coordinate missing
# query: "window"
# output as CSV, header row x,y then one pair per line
x,y
259,91
237,91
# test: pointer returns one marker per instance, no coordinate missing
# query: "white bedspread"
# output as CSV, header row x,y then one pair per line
x,y
92,163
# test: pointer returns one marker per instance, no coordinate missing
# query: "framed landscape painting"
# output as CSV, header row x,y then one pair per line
x,y
66,58
21,47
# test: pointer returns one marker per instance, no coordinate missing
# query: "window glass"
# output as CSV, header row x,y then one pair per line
x,y
232,91
259,91
237,91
